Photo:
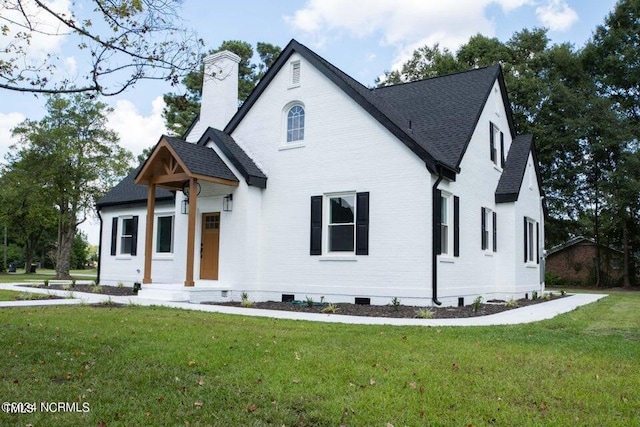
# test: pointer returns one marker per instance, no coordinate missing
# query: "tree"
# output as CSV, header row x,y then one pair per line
x,y
27,212
182,109
117,43
613,58
77,158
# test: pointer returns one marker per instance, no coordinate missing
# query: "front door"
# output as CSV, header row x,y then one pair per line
x,y
210,246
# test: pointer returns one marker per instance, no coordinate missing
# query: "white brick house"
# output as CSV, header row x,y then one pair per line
x,y
318,186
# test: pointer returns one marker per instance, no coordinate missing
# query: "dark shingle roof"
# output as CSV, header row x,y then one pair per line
x,y
200,160
127,191
435,118
444,110
514,168
240,160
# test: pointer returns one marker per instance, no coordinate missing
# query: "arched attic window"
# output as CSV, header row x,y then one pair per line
x,y
295,123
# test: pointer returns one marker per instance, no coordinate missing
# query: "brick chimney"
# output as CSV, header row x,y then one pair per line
x,y
219,89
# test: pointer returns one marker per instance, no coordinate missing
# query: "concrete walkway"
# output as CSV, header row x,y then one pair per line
x,y
533,313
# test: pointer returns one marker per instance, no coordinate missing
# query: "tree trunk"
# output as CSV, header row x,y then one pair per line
x,y
625,242
28,258
63,251
596,233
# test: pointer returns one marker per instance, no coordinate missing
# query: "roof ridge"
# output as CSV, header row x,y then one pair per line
x,y
457,73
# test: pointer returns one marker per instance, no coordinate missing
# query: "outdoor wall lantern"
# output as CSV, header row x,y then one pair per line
x,y
185,202
227,203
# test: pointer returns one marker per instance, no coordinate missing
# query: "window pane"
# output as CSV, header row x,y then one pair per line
x,y
444,239
295,124
342,210
125,245
443,211
164,234
530,241
127,227
341,238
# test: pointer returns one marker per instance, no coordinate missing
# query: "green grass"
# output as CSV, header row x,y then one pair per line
x,y
16,295
158,366
43,274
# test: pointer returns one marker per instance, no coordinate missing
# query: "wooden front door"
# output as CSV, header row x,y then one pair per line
x,y
210,246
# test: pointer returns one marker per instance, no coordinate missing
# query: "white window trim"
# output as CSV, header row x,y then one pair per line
x,y
326,214
119,254
496,144
292,66
448,197
531,243
488,223
163,255
287,145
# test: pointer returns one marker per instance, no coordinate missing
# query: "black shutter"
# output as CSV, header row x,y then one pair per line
x,y
114,235
483,228
362,223
316,226
495,232
492,143
456,226
537,243
501,150
134,236
526,258
437,209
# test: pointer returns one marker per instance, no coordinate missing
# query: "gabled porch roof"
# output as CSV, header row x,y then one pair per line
x,y
173,162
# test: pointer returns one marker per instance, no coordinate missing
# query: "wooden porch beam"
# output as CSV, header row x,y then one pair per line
x,y
148,238
191,230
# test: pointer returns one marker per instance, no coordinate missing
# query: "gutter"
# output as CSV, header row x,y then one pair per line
x,y
434,248
99,250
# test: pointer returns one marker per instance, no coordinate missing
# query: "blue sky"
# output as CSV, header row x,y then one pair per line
x,y
362,37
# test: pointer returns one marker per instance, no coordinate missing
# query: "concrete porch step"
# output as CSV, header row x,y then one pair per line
x,y
179,292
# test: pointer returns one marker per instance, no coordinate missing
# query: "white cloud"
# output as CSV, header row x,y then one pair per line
x,y
48,36
8,122
136,130
409,24
557,15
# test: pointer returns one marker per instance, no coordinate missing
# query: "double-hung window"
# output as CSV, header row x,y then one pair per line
x,y
342,213
488,229
340,224
164,234
447,224
124,235
531,241
496,145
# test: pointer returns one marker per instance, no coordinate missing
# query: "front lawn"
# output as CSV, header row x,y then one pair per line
x,y
6,295
43,274
160,366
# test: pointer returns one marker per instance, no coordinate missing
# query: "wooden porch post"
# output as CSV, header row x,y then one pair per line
x,y
191,230
148,238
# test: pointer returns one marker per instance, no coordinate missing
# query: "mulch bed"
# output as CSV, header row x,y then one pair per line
x,y
402,311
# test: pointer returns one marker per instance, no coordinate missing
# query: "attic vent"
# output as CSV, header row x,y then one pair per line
x,y
295,73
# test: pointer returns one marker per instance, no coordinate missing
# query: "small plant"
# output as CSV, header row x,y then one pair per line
x,y
477,303
66,287
425,313
73,283
108,303
511,303
548,296
245,300
534,295
309,301
96,289
120,285
395,302
46,283
330,308
563,292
